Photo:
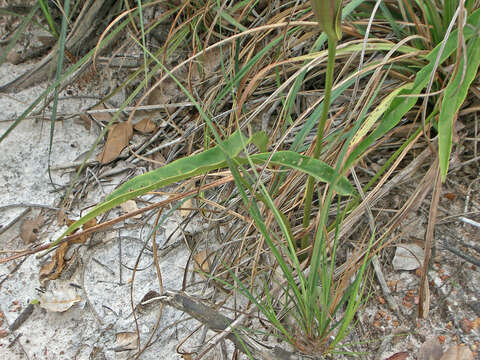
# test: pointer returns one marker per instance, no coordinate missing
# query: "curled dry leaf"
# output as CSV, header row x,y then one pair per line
x,y
59,299
457,352
118,138
125,341
145,126
130,206
53,268
30,229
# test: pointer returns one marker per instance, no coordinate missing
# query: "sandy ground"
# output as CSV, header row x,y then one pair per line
x,y
101,286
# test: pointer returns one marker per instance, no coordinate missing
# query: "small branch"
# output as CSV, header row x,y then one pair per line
x,y
213,320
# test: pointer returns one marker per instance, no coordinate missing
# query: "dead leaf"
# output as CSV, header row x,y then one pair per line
x,y
206,65
457,352
408,257
430,350
59,299
398,356
82,239
164,94
130,206
86,121
118,138
126,341
101,116
202,262
61,217
145,126
52,269
187,204
90,223
30,229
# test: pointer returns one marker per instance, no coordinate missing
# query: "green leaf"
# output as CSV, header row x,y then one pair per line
x,y
180,169
454,96
401,105
311,166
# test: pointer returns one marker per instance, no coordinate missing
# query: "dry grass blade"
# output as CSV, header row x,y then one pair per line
x,y
424,302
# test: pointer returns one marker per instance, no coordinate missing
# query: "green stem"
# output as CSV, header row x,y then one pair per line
x,y
332,47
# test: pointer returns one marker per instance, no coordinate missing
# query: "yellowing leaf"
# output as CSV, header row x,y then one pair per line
x,y
118,138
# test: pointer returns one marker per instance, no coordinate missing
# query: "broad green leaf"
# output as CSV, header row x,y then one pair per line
x,y
453,98
401,105
180,169
311,166
208,160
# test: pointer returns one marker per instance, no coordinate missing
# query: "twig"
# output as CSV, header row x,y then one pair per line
x,y
218,322
424,301
105,224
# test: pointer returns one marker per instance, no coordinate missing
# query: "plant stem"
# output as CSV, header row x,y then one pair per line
x,y
332,47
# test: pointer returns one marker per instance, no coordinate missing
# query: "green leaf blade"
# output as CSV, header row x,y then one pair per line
x,y
311,166
454,96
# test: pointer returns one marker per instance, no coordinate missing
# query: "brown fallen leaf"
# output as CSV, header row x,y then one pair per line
x,y
118,138
202,262
52,269
130,206
457,352
430,350
86,121
145,126
101,116
30,229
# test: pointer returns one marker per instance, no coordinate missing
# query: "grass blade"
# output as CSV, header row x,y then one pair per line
x,y
311,166
453,98
401,105
181,169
